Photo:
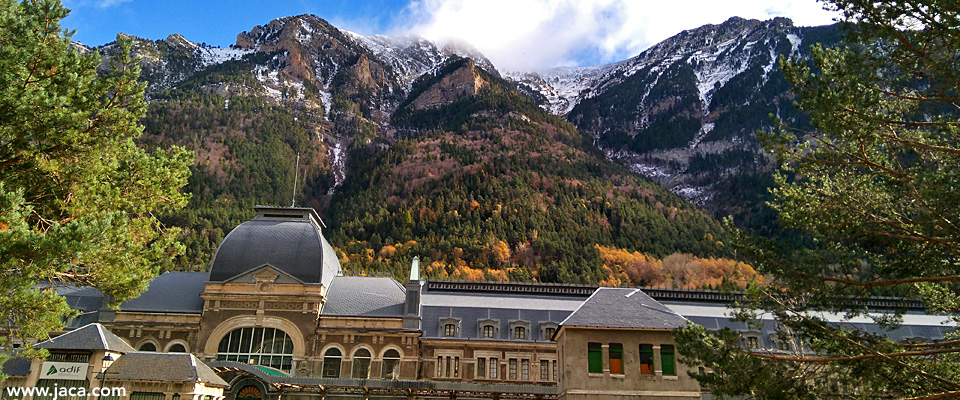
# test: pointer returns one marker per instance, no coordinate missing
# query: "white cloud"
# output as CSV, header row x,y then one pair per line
x,y
532,34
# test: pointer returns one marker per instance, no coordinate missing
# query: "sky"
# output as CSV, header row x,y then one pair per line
x,y
518,35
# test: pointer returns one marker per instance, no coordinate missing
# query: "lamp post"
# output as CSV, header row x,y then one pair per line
x,y
106,361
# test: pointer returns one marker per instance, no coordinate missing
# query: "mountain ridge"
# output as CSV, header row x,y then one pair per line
x,y
300,86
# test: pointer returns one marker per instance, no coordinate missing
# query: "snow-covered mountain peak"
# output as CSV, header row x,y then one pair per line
x,y
412,56
560,86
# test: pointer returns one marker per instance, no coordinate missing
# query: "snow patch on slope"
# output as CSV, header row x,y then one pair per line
x,y
561,86
213,55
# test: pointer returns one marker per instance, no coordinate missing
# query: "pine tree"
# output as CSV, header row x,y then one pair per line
x,y
875,196
77,195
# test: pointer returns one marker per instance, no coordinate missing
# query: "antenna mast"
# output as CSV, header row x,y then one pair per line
x,y
296,177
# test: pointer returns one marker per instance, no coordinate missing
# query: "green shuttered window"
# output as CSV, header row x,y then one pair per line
x,y
668,360
595,357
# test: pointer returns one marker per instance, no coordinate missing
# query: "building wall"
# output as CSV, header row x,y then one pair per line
x,y
162,329
576,382
464,355
290,307
348,340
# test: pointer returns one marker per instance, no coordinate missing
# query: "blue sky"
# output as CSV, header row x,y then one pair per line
x,y
514,34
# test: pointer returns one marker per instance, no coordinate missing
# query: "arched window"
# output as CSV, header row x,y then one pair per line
x,y
148,346
331,363
449,330
391,364
269,347
177,348
361,364
249,393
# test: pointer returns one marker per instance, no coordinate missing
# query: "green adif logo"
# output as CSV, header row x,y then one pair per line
x,y
52,370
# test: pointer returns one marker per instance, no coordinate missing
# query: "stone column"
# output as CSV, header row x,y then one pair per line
x,y
606,358
657,365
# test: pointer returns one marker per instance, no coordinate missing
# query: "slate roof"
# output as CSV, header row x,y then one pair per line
x,y
87,300
471,307
17,366
171,292
90,337
915,325
624,308
163,367
365,296
289,239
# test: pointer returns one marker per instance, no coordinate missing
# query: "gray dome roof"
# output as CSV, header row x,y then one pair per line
x,y
289,239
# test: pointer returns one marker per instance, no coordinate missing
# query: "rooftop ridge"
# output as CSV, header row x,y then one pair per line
x,y
657,293
512,287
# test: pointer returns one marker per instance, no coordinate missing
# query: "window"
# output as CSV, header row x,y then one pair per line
x,y
519,332
147,396
449,330
481,368
331,363
448,367
488,332
616,358
512,369
554,362
67,386
391,365
494,368
753,343
249,392
668,361
177,348
646,359
544,370
259,346
785,344
525,369
548,333
361,364
595,357
148,346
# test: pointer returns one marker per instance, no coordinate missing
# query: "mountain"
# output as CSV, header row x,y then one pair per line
x,y
487,185
685,112
406,147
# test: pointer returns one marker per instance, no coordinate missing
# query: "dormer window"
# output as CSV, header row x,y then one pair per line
x,y
449,327
519,333
547,330
488,328
488,332
519,330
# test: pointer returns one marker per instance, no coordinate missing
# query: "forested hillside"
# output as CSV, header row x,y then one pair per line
x,y
490,186
457,166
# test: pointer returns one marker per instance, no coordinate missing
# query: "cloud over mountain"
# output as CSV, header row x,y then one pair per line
x,y
534,34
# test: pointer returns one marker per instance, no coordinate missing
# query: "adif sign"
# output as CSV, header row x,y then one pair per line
x,y
63,370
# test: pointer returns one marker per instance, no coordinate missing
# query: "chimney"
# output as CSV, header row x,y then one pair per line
x,y
411,314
